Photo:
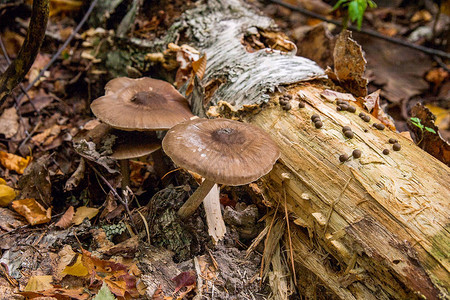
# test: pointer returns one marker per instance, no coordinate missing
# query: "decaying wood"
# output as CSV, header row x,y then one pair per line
x,y
377,227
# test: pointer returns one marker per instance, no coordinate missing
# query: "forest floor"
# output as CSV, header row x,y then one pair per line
x,y
69,235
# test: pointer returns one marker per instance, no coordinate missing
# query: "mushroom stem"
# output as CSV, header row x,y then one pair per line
x,y
125,171
158,163
196,199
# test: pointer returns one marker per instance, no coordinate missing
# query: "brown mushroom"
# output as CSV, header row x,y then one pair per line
x,y
222,151
141,104
127,145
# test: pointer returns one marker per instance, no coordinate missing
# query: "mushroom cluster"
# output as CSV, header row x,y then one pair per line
x,y
220,150
134,105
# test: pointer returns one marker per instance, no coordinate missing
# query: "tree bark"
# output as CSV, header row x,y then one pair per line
x,y
29,50
376,227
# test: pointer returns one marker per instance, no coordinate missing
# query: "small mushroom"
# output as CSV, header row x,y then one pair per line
x,y
220,150
318,124
343,157
346,128
396,147
287,106
349,134
379,126
356,153
392,141
351,109
315,117
385,151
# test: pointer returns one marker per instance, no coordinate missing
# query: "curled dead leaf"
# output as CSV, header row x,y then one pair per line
x,y
66,219
32,211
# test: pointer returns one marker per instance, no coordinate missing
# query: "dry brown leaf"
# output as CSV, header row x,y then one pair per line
x,y
9,122
398,70
116,276
10,220
372,103
159,294
436,77
350,64
84,212
66,219
47,136
333,96
14,162
32,211
317,44
39,63
317,6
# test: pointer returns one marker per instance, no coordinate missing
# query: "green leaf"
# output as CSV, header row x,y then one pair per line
x,y
338,4
430,129
372,4
354,10
415,120
104,293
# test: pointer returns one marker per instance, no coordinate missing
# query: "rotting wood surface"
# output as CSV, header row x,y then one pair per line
x,y
388,229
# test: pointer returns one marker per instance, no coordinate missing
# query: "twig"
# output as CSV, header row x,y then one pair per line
x,y
60,50
441,64
113,190
17,70
372,33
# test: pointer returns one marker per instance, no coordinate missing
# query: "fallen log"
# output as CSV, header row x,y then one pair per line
x,y
376,227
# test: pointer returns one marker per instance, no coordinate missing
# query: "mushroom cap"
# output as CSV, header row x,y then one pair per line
x,y
141,104
224,151
133,144
127,145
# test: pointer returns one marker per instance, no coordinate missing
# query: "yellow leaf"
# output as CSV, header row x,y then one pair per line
x,y
84,212
76,269
14,162
442,115
39,283
7,194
